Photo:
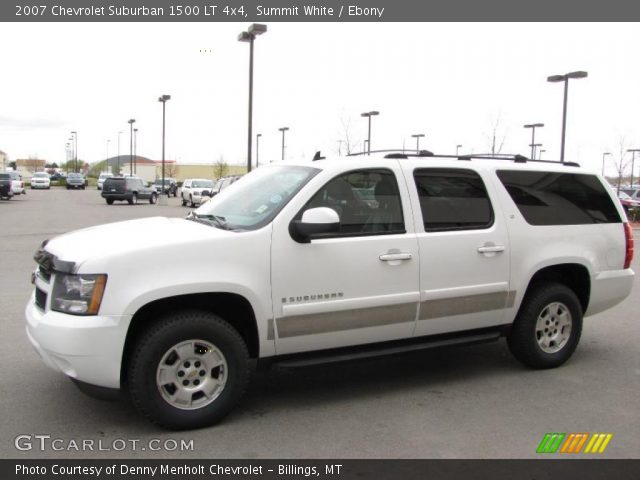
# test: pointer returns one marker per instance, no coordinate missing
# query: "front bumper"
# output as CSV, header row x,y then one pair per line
x,y
87,349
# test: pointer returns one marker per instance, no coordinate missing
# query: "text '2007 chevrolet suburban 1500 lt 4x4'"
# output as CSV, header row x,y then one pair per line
x,y
310,262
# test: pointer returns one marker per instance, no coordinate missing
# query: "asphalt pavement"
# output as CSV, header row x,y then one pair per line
x,y
463,402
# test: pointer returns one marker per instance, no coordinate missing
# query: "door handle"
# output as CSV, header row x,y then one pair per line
x,y
491,249
394,257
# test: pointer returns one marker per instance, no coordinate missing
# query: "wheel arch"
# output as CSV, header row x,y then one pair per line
x,y
574,275
234,308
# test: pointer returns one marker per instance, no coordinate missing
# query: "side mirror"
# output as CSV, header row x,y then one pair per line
x,y
315,222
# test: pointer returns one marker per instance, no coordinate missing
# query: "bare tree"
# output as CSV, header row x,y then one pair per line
x,y
220,168
170,170
621,160
346,143
496,136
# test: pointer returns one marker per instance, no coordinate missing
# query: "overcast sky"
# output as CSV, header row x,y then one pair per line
x,y
451,81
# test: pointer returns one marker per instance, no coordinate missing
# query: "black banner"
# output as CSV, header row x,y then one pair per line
x,y
328,469
317,11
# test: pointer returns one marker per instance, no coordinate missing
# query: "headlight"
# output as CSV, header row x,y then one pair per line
x,y
78,294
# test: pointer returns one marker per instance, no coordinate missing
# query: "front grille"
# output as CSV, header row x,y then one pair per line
x,y
41,298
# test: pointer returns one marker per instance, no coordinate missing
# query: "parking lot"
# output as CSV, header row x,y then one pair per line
x,y
467,402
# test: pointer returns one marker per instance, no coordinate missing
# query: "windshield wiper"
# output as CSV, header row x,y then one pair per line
x,y
212,220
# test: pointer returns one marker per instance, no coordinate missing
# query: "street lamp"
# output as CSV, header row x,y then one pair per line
x,y
135,151
633,161
533,127
542,150
418,136
603,157
107,160
258,135
565,78
249,36
68,154
75,151
131,122
163,99
118,171
283,129
458,147
369,115
534,146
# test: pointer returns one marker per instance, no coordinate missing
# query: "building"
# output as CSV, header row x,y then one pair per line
x,y
28,166
4,161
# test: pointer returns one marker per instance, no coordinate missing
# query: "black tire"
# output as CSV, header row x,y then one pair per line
x,y
153,198
184,202
134,199
523,340
109,201
191,203
155,343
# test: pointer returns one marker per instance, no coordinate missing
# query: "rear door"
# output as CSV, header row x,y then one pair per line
x,y
464,250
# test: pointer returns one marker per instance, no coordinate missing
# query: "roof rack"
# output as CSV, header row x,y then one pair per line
x,y
513,157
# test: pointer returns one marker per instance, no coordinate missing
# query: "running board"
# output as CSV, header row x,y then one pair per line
x,y
379,350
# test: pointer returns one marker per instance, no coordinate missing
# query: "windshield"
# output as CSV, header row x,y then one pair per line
x,y
40,174
202,184
623,196
75,175
253,201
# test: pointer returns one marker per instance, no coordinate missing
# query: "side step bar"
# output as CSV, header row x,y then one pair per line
x,y
383,349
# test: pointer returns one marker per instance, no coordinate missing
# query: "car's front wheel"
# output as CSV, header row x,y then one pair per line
x,y
153,198
109,201
188,370
547,329
191,202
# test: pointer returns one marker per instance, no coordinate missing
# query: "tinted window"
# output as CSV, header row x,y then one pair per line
x,y
549,198
5,176
367,201
452,199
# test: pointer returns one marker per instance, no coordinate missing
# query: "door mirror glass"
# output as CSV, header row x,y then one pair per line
x,y
315,222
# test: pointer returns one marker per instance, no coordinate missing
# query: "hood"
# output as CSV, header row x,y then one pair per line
x,y
114,239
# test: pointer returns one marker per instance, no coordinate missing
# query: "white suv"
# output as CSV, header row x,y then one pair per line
x,y
298,263
195,191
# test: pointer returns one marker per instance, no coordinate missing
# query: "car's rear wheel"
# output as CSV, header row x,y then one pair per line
x,y
109,201
547,329
189,370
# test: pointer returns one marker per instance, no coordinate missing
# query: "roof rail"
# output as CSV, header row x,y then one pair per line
x,y
512,157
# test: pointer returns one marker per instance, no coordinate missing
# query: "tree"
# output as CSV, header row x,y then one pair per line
x,y
220,168
496,136
170,170
13,165
346,144
621,160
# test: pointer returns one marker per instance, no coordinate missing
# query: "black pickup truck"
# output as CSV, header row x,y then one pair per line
x,y
5,186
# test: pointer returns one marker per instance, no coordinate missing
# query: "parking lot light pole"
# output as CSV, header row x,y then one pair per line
x,y
603,157
135,151
249,36
534,147
565,78
533,127
418,136
131,122
458,147
118,162
633,162
163,99
283,129
258,149
107,160
74,134
373,113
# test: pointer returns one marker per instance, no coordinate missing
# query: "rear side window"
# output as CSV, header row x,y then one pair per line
x,y
452,199
551,198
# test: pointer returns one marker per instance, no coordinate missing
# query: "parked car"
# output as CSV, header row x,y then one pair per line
x,y
40,180
102,178
17,185
5,186
129,189
195,191
292,266
170,186
634,193
628,203
223,183
75,180
56,177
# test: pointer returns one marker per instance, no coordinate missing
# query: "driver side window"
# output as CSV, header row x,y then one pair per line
x,y
367,202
